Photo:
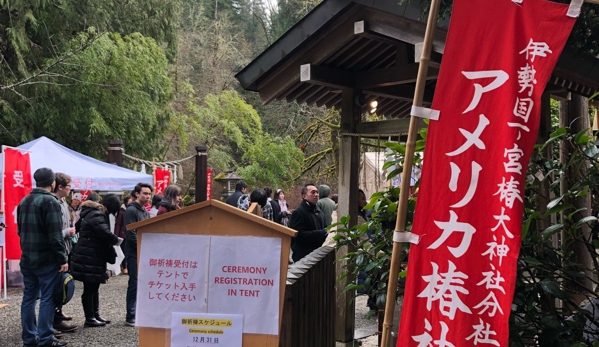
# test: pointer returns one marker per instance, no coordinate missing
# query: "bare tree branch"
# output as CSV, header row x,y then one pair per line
x,y
44,72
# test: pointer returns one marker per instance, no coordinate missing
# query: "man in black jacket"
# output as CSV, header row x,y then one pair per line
x,y
308,220
276,209
135,212
240,189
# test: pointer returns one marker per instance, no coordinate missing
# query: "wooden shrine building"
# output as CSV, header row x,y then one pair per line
x,y
345,54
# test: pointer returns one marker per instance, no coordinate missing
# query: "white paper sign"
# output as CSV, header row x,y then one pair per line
x,y
244,278
206,329
116,267
172,277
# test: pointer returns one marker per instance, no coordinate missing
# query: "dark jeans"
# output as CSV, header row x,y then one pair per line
x,y
40,282
132,287
124,262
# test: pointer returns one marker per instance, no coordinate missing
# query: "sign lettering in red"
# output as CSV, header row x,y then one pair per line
x,y
16,185
208,184
498,58
162,179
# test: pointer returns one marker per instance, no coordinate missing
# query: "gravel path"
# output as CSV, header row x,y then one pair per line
x,y
364,323
112,306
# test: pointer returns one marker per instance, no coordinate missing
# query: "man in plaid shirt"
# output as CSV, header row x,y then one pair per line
x,y
43,258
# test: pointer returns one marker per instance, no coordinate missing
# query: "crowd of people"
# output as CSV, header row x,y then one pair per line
x,y
58,237
76,238
310,219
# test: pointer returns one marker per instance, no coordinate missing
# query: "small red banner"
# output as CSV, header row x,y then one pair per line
x,y
208,184
162,179
16,185
498,58
85,194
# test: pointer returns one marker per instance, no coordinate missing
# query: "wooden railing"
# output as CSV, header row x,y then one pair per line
x,y
309,309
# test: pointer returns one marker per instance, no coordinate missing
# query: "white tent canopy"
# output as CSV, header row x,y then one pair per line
x,y
372,175
87,173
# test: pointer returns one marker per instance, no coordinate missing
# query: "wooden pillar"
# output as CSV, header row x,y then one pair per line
x,y
115,153
575,114
544,188
349,165
201,173
545,194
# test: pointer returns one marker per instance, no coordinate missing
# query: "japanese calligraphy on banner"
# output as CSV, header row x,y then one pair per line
x,y
162,179
461,275
206,329
208,184
16,185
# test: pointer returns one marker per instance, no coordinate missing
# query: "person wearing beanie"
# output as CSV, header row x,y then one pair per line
x,y
94,249
325,204
43,259
74,207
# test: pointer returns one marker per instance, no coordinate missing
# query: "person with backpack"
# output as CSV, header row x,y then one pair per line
x,y
240,189
94,249
276,209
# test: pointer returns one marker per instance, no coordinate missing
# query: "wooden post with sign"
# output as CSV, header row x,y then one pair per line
x,y
201,173
214,219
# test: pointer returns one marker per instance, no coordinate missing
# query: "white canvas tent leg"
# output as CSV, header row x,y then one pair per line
x,y
4,292
4,270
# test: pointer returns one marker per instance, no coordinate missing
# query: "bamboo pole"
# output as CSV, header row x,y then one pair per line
x,y
407,169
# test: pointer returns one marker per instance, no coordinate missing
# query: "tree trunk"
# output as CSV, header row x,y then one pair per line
x,y
575,114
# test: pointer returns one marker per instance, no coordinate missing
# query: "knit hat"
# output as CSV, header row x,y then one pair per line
x,y
77,196
44,177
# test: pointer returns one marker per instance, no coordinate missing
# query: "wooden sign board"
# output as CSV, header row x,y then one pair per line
x,y
215,218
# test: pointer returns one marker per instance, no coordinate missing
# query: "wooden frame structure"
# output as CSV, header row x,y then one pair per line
x,y
345,54
213,217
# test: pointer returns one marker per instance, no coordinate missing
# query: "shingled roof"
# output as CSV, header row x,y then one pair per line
x,y
370,45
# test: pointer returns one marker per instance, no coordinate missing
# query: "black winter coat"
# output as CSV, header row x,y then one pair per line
x,y
232,199
308,221
94,246
134,213
276,211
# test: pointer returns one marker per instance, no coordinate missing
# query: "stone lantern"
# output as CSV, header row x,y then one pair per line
x,y
227,179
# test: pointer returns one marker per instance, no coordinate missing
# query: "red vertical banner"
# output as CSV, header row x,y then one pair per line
x,y
16,184
162,178
209,184
498,58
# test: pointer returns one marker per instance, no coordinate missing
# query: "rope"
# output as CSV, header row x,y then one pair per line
x,y
372,135
158,163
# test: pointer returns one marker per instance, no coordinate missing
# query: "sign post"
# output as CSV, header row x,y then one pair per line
x,y
234,264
